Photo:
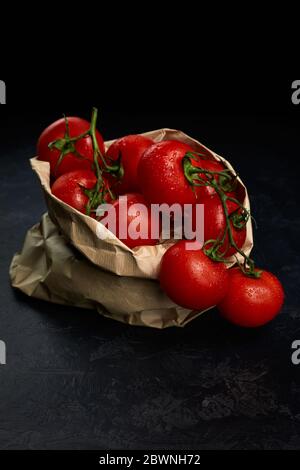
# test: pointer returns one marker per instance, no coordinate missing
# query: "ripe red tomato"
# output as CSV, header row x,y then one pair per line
x,y
205,192
161,175
251,302
191,279
215,224
70,161
130,148
133,218
69,188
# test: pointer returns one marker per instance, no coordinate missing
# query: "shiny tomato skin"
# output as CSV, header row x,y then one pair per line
x,y
125,218
161,175
68,188
215,224
131,148
205,192
251,302
191,279
70,162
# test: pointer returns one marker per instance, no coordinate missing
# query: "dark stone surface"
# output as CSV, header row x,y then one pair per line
x,y
79,381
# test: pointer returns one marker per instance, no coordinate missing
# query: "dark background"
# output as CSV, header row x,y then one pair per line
x,y
75,380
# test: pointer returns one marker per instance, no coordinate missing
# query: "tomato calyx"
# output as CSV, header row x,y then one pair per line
x,y
117,169
96,197
198,176
239,217
67,145
250,271
222,182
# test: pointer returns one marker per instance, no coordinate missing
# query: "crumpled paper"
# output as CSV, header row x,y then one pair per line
x,y
50,269
116,280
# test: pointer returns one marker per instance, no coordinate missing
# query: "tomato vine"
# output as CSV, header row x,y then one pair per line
x,y
67,145
222,182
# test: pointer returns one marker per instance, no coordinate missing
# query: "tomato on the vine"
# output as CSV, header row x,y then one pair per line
x,y
235,195
78,155
191,279
72,188
69,188
162,177
250,301
215,225
129,149
134,224
161,174
206,192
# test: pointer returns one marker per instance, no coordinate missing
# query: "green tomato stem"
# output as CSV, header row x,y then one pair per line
x,y
194,176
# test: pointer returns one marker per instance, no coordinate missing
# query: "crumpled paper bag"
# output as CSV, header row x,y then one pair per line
x,y
50,269
103,274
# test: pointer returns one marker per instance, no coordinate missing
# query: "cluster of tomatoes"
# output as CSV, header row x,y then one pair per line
x,y
169,172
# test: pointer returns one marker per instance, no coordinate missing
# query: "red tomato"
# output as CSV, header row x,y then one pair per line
x,y
191,279
129,217
251,302
130,148
239,195
70,161
69,188
215,224
161,175
205,192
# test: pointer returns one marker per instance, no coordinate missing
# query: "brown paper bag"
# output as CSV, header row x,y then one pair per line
x,y
48,268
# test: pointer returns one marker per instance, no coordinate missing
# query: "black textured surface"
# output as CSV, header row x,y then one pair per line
x,y
76,380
